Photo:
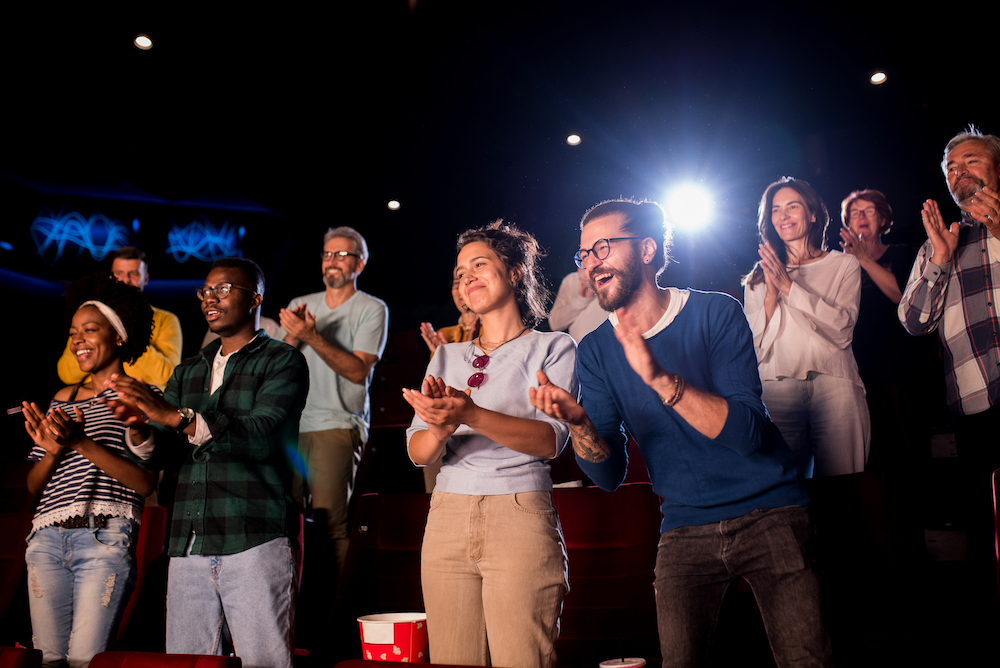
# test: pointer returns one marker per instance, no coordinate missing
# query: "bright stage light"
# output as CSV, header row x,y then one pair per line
x,y
689,207
573,140
878,78
143,42
393,204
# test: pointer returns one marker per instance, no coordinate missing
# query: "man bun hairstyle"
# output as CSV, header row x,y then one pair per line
x,y
643,218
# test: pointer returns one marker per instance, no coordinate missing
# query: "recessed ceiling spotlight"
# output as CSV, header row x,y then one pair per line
x,y
573,140
143,42
393,204
878,78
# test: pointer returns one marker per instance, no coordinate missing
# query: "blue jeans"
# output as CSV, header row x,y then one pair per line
x,y
79,581
252,591
769,549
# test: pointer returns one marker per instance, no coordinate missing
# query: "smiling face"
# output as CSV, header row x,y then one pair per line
x,y
93,340
484,282
616,278
235,313
790,215
969,166
869,223
338,272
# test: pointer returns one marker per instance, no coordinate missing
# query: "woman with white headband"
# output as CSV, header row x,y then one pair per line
x,y
81,550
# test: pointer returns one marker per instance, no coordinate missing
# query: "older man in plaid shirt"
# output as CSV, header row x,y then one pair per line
x,y
954,288
235,409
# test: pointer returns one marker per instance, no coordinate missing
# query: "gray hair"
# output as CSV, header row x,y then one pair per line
x,y
991,142
345,232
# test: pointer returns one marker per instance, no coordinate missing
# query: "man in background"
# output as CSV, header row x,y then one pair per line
x,y
154,366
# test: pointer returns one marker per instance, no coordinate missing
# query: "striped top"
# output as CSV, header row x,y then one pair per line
x,y
78,487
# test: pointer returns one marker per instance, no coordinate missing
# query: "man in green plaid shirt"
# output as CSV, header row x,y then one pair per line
x,y
230,412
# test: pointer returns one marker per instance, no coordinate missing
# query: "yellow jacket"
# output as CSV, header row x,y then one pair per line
x,y
154,366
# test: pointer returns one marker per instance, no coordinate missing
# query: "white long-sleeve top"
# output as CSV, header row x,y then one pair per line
x,y
812,327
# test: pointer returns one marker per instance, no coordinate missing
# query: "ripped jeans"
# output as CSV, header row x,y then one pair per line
x,y
79,581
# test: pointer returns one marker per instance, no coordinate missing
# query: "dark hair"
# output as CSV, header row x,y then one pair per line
x,y
769,235
251,271
875,197
125,300
129,253
972,133
643,218
518,251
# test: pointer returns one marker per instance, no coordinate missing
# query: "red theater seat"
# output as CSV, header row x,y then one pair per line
x,y
20,657
153,660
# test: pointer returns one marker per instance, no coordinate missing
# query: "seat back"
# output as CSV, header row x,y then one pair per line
x,y
20,657
154,660
611,538
149,547
382,567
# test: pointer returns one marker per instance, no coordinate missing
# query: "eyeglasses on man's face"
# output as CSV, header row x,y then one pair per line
x,y
220,291
601,250
338,255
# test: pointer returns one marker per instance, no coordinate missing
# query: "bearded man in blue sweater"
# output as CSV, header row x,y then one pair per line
x,y
677,370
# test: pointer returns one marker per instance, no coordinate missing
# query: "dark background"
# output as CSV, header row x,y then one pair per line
x,y
287,120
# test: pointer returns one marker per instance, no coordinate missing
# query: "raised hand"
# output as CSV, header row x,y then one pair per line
x,y
775,274
135,403
854,244
442,407
984,207
35,425
943,238
432,338
555,401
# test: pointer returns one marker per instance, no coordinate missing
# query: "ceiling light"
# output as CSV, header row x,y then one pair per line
x,y
878,78
143,42
573,140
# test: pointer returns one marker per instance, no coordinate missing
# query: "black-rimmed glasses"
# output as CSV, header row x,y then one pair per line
x,y
338,255
220,291
601,250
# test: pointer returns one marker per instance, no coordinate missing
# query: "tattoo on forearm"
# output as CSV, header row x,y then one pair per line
x,y
589,444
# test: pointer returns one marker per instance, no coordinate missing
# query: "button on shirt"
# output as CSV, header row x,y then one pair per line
x,y
959,300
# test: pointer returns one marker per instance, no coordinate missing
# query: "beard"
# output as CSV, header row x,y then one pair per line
x,y
966,189
335,282
628,280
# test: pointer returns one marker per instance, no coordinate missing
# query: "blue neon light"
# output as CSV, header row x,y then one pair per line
x,y
98,234
203,240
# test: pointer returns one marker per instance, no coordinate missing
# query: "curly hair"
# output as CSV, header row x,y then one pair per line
x,y
768,235
126,300
518,251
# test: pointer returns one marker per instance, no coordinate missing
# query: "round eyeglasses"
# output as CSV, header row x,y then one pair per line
x,y
220,291
601,250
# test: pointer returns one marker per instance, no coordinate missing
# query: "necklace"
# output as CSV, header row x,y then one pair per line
x,y
479,362
483,343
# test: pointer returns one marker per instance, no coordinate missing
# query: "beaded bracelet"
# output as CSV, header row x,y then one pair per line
x,y
678,391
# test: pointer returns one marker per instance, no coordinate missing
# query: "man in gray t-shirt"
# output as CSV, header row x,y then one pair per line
x,y
342,332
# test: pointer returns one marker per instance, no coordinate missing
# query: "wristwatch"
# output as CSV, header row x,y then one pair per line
x,y
187,417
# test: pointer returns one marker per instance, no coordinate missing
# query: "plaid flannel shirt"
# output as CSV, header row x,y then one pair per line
x,y
960,300
234,491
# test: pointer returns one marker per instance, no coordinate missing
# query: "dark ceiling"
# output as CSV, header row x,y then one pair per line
x,y
460,110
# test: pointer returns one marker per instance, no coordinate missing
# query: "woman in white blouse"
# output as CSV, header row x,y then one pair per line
x,y
802,303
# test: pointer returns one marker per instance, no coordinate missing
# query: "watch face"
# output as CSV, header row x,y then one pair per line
x,y
186,413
